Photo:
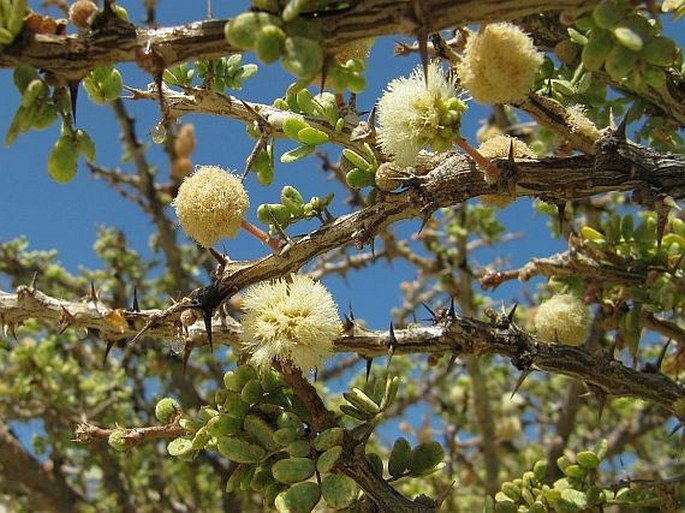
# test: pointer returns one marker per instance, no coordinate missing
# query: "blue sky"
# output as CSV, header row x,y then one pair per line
x,y
66,217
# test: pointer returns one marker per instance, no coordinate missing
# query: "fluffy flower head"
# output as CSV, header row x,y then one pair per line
x,y
564,318
291,319
413,115
499,64
210,204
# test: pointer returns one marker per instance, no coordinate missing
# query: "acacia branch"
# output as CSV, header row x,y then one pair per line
x,y
458,336
89,433
73,56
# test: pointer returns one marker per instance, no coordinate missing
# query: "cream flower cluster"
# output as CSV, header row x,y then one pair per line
x,y
210,204
563,318
414,113
292,320
499,64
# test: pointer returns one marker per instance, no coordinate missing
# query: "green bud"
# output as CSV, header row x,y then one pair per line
x,y
239,450
425,457
261,479
292,126
271,382
628,38
234,406
607,15
537,507
660,51
356,159
511,490
242,31
655,77
588,460
112,86
299,448
358,178
270,43
265,175
399,457
224,425
311,135
577,37
287,435
236,380
45,115
357,398
296,154
201,439
273,213
252,391
339,491
118,441
179,447
620,62
299,498
575,471
293,470
261,431
292,200
539,470
596,50
328,438
233,483
288,419
329,459
167,409
62,160
506,507
34,90
303,57
305,99
85,145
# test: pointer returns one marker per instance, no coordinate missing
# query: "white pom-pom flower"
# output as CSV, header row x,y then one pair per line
x,y
291,320
499,64
210,204
563,318
413,115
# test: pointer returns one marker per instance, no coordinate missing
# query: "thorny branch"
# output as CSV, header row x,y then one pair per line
x,y
458,336
73,56
87,433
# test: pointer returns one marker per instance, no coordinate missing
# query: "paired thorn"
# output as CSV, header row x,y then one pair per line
x,y
369,363
433,315
522,377
424,222
512,312
206,300
66,319
92,295
392,344
108,348
136,306
73,95
656,366
451,362
622,126
452,313
561,216
187,349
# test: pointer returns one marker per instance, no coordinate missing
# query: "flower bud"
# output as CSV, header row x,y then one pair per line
x,y
166,409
